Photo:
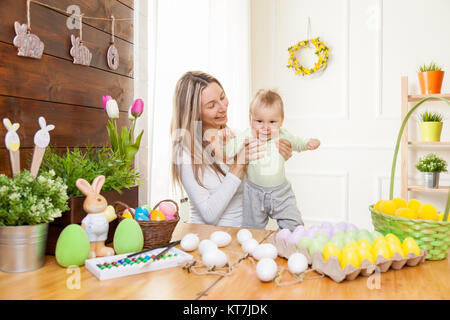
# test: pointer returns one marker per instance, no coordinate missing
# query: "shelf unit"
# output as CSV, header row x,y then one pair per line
x,y
405,143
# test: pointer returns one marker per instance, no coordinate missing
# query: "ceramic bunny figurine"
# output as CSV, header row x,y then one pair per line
x,y
79,52
12,140
95,223
29,44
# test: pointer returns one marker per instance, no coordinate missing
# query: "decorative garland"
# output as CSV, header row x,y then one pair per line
x,y
322,51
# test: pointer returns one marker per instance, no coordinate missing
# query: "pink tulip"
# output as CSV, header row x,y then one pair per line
x,y
105,99
137,108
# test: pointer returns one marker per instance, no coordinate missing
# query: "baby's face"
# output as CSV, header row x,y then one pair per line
x,y
266,122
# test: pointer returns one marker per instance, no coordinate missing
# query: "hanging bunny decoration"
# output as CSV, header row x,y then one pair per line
x,y
12,142
28,44
41,141
79,52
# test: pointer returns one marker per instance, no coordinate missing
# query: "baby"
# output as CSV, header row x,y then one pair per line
x,y
267,193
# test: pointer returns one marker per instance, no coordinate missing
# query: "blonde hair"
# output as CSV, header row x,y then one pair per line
x,y
267,98
187,107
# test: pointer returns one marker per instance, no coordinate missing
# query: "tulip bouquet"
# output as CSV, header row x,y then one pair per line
x,y
122,143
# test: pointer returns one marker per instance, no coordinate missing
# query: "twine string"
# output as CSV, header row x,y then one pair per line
x,y
112,29
28,16
309,29
81,27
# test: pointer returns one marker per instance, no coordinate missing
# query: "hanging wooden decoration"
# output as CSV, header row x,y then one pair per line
x,y
28,44
112,55
79,52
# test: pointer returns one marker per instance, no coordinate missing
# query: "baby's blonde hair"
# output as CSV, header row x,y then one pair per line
x,y
267,98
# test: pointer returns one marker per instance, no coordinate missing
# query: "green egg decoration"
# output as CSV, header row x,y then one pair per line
x,y
72,246
316,246
303,243
320,236
338,241
128,237
364,234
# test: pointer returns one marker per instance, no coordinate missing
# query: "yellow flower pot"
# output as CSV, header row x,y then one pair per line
x,y
430,131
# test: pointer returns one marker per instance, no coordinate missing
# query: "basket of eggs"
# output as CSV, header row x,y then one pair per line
x,y
422,222
157,224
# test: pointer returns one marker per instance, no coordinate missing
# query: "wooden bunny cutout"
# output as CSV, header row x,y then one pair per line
x,y
28,44
12,142
79,52
95,223
41,141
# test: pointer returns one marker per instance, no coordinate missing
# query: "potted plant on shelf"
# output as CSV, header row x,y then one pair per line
x,y
431,166
430,78
430,124
27,205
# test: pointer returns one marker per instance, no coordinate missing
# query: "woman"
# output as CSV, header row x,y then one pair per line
x,y
198,126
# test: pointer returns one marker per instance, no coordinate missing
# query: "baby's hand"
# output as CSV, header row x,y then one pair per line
x,y
313,144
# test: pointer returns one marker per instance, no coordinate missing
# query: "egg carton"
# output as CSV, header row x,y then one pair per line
x,y
332,268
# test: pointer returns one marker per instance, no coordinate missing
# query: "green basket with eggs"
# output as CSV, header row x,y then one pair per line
x,y
433,236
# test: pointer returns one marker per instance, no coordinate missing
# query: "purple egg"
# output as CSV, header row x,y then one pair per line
x,y
326,225
328,233
351,226
298,228
295,237
340,226
283,234
311,233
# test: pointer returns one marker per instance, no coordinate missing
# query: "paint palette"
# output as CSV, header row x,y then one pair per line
x,y
120,265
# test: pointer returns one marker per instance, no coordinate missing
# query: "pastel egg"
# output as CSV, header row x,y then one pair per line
x,y
299,228
295,237
283,234
341,226
351,226
168,208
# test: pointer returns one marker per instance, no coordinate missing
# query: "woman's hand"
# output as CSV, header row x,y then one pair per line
x,y
313,144
284,148
251,151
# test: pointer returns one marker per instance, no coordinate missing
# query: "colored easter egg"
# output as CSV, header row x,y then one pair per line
x,y
326,225
410,245
316,246
168,208
126,214
363,234
394,247
350,257
283,234
351,226
303,242
340,234
381,249
338,241
141,213
321,236
364,243
295,237
330,249
341,226
128,237
72,246
157,215
366,253
299,228
301,232
392,238
311,233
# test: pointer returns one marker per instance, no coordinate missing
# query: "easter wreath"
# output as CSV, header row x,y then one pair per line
x,y
322,51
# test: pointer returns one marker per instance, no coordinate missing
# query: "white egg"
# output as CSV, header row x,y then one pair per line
x,y
214,258
189,242
206,245
249,245
297,263
221,238
265,250
243,235
266,269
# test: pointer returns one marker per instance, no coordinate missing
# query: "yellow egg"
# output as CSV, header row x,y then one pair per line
x,y
388,207
376,207
400,203
365,253
410,245
329,250
414,204
395,247
381,250
350,256
379,240
364,243
406,213
350,245
428,212
392,238
441,217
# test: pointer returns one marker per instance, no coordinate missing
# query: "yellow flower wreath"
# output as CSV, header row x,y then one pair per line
x,y
322,51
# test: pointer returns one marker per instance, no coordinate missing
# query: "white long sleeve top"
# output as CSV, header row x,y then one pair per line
x,y
219,202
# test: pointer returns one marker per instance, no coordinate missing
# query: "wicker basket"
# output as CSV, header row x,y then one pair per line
x,y
433,236
155,232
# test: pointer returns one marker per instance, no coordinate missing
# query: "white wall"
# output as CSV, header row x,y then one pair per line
x,y
354,106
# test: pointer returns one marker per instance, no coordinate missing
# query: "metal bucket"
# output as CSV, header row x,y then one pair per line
x,y
431,180
22,248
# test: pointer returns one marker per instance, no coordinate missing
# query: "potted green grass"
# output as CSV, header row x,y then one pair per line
x,y
431,166
430,78
27,206
430,124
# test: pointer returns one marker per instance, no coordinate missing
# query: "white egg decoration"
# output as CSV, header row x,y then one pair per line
x,y
244,235
189,242
265,250
266,269
205,245
297,263
215,258
249,245
221,238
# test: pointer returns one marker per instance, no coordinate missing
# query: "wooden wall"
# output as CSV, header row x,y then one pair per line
x,y
67,95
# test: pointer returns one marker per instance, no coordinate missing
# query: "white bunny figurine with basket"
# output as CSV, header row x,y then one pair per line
x,y
96,222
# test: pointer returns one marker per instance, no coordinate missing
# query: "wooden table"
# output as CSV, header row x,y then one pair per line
x,y
430,280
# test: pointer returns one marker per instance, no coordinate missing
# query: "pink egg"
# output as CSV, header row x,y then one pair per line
x,y
168,209
283,234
